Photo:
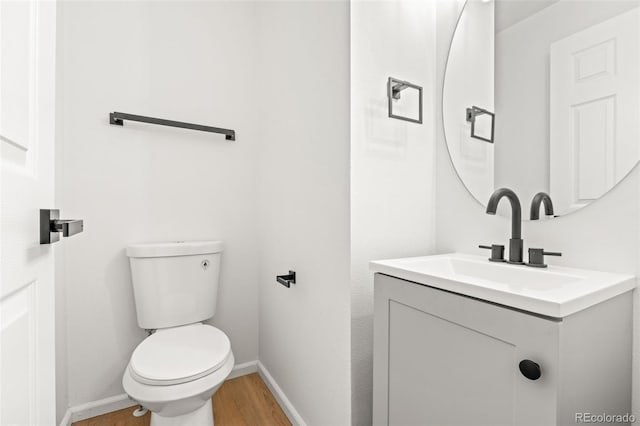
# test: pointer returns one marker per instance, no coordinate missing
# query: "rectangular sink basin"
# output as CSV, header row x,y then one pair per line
x,y
554,291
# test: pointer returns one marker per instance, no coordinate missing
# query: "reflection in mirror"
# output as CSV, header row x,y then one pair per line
x,y
482,123
563,79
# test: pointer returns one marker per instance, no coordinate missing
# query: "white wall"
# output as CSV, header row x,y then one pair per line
x,y
522,150
149,183
392,162
603,236
278,73
304,204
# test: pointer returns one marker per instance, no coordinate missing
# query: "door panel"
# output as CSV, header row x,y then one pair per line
x,y
18,331
468,380
27,98
17,85
595,144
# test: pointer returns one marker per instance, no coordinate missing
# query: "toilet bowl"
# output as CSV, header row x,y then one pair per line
x,y
175,372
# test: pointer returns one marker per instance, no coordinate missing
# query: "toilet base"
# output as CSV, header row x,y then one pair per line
x,y
203,416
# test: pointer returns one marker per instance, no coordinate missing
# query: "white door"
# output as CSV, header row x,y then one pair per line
x,y
27,66
594,110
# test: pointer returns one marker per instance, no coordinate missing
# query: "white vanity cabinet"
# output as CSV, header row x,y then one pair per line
x,y
441,358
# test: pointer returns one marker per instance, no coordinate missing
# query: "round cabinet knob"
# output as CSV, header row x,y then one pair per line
x,y
530,369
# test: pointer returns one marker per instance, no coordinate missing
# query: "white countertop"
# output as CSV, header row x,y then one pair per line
x,y
554,291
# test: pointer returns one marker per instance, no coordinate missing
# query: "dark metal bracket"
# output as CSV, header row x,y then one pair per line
x,y
394,89
117,118
397,88
474,112
287,280
51,226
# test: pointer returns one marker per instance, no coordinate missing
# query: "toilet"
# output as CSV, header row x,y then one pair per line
x,y
175,371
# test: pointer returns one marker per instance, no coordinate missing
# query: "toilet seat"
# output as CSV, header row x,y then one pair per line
x,y
170,400
179,355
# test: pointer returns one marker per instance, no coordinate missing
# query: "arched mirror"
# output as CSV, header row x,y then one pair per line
x,y
544,96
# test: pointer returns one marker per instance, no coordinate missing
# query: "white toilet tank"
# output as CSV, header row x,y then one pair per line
x,y
175,283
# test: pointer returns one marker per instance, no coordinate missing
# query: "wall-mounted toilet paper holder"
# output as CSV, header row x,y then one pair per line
x,y
287,280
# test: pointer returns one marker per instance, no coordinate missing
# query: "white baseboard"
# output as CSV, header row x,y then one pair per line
x,y
294,417
66,419
119,402
243,369
96,408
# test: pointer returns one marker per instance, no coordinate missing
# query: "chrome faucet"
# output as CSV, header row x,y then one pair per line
x,y
515,243
539,198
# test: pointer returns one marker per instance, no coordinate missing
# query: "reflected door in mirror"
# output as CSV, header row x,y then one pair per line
x,y
594,111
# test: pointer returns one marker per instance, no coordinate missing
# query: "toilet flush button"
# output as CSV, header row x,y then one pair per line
x,y
205,264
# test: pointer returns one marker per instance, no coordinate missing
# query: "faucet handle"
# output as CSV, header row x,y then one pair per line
x,y
536,257
497,252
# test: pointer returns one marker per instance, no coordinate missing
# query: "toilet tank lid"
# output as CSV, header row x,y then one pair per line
x,y
174,248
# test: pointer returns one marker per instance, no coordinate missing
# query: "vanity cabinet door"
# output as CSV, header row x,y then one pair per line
x,y
445,359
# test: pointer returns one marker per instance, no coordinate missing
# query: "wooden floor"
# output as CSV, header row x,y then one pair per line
x,y
243,401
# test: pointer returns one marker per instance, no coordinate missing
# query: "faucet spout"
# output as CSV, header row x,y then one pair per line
x,y
516,209
516,244
541,198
